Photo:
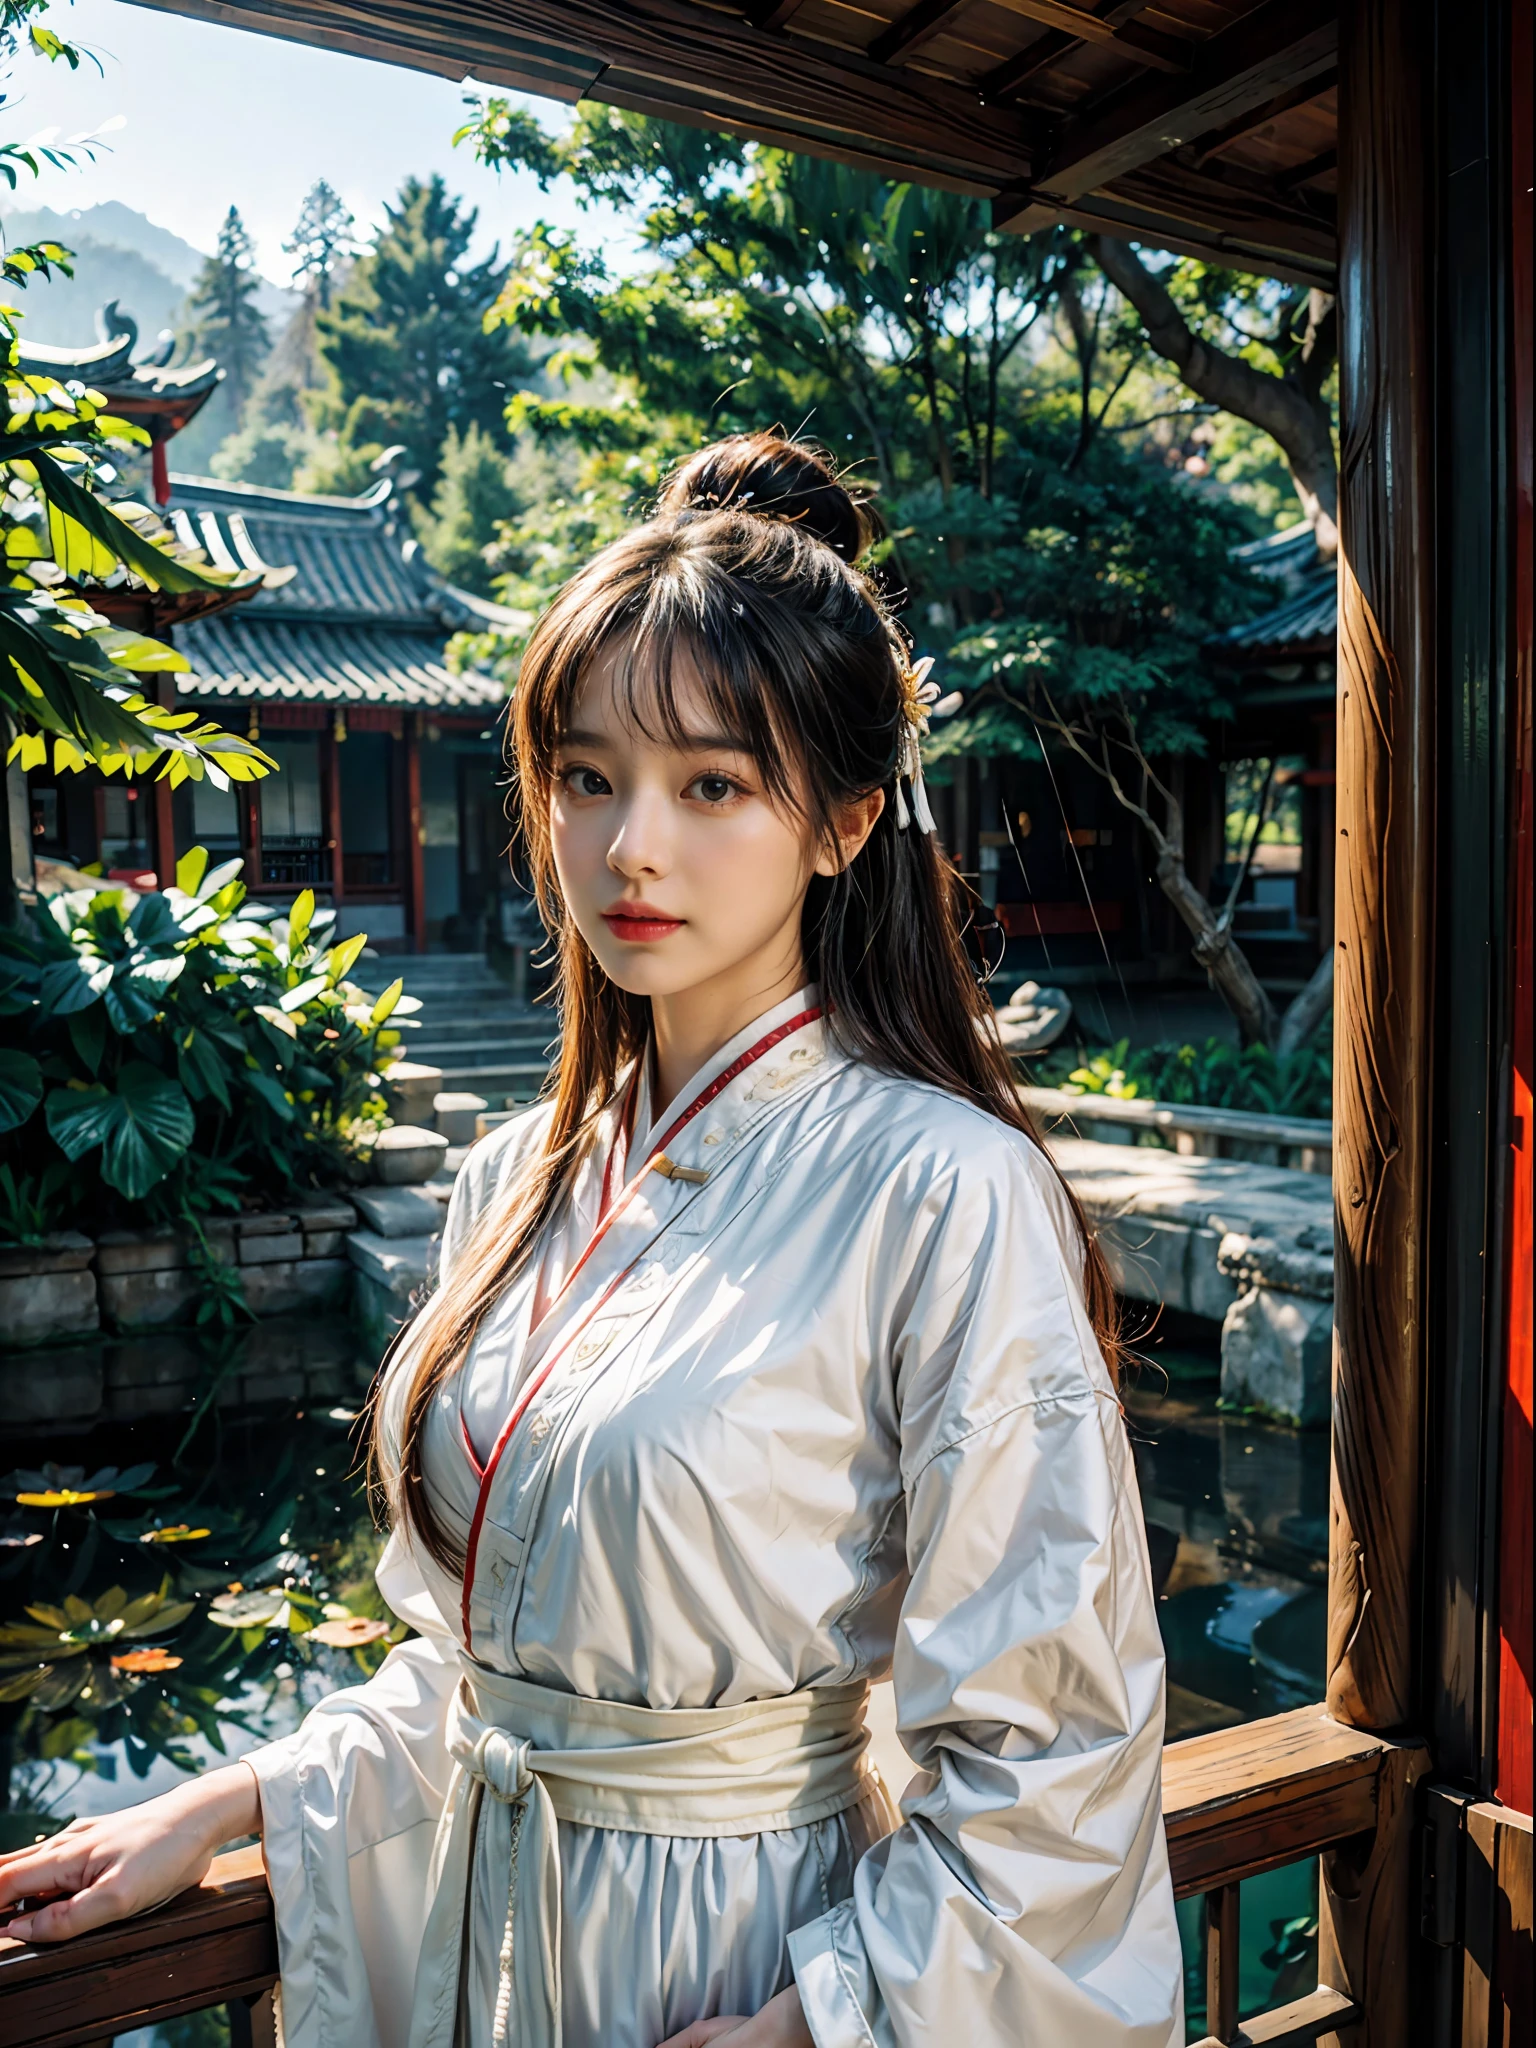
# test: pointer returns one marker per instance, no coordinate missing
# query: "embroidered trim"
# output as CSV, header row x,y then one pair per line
x,y
520,1407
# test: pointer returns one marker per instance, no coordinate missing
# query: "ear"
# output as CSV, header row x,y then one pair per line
x,y
852,827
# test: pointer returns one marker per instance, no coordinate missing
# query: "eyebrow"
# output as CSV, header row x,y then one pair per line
x,y
688,742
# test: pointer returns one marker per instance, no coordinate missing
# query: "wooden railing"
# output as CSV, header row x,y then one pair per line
x,y
1237,1803
1303,1142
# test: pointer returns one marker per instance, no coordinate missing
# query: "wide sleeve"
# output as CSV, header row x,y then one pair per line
x,y
349,1807
1025,1901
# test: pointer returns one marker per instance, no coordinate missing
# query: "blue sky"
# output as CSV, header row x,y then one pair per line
x,y
214,116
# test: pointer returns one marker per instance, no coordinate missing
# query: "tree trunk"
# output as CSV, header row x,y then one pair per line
x,y
1227,965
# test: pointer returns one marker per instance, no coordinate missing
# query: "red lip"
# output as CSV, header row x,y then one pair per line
x,y
640,923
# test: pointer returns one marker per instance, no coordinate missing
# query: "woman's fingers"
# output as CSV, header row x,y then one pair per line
x,y
61,1918
57,1865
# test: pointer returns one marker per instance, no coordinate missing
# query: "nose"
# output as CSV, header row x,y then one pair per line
x,y
641,844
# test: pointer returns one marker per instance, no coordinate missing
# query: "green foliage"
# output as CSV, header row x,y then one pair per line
x,y
915,341
1103,1074
404,343
66,673
226,320
474,496
1214,1075
182,1050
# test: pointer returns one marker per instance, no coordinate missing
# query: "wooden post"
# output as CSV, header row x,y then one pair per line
x,y
1382,934
330,768
415,869
1383,871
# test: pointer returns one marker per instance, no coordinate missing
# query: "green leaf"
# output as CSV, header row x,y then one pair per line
x,y
300,918
202,1071
21,1087
143,1126
190,869
271,1093
306,992
341,959
73,984
385,1006
113,533
88,1035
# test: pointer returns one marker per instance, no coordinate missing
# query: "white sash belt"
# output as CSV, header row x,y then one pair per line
x,y
546,1756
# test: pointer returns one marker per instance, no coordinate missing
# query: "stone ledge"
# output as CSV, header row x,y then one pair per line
x,y
61,1251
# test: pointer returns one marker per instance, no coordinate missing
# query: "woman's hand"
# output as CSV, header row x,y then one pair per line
x,y
123,1863
780,2024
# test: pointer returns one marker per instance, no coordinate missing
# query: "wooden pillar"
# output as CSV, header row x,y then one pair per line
x,y
1383,903
331,741
415,835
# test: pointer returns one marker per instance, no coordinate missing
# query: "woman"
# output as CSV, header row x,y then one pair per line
x,y
768,1360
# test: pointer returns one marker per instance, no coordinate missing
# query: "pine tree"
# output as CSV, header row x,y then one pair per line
x,y
226,321
404,344
322,236
475,493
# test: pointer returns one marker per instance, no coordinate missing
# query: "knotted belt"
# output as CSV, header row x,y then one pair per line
x,y
546,1757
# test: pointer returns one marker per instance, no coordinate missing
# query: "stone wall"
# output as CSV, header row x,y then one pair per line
x,y
123,1282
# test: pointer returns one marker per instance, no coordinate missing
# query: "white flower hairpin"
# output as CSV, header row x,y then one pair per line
x,y
920,703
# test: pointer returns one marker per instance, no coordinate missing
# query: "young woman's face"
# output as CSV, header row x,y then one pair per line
x,y
676,864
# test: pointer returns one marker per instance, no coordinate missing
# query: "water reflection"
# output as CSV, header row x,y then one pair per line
x,y
175,1590
1237,1516
178,1588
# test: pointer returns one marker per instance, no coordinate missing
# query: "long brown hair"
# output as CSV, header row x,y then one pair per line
x,y
747,575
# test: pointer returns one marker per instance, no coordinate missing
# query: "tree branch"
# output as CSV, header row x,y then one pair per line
x,y
1289,409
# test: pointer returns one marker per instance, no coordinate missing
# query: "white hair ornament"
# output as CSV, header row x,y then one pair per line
x,y
920,702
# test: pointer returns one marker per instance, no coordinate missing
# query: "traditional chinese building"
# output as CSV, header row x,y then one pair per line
x,y
387,804
326,645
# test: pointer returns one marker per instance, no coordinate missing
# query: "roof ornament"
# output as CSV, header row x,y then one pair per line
x,y
113,324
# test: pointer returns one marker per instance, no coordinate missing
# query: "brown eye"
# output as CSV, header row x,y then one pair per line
x,y
713,789
587,782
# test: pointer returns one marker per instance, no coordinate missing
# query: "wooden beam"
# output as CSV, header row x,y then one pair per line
x,y
1253,1798
1280,44
683,58
1007,77
1119,213
1317,166
910,30
1221,139
1082,25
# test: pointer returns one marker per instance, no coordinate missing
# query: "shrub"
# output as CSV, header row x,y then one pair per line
x,y
165,1055
1215,1075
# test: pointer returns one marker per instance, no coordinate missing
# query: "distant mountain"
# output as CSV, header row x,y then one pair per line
x,y
119,254
111,225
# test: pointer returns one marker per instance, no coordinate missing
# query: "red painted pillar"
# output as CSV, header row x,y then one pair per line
x,y
1515,1476
415,834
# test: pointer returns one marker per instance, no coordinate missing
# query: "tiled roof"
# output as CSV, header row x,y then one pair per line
x,y
1307,619
354,614
242,656
108,367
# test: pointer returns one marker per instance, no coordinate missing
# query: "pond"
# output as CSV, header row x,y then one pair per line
x,y
177,1589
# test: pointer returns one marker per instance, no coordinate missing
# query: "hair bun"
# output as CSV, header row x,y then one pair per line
x,y
776,478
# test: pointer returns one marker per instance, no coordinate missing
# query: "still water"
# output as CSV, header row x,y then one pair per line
x,y
178,1588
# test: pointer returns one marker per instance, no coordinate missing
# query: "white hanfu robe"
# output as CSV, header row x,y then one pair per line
x,y
831,1413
